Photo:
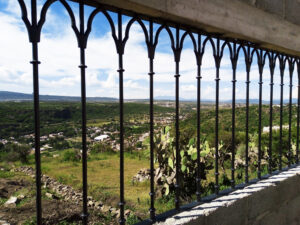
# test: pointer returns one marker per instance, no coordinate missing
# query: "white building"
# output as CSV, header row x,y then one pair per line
x,y
101,137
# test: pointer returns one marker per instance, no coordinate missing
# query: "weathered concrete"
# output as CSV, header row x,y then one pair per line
x,y
274,24
274,201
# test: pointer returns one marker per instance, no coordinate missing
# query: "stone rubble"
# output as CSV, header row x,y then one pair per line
x,y
11,202
3,222
142,175
69,194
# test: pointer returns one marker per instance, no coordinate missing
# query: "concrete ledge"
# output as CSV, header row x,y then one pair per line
x,y
274,201
232,18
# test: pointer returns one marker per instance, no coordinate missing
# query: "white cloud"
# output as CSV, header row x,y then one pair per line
x,y
59,54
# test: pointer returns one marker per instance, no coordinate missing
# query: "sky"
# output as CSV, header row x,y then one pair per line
x,y
59,56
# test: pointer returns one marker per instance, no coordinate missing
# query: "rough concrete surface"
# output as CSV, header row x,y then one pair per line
x,y
274,201
273,24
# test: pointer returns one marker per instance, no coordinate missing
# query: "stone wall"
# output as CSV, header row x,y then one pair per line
x,y
70,194
274,201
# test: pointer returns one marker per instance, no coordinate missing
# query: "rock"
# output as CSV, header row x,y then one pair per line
x,y
3,222
113,212
142,175
105,209
49,195
11,202
127,212
91,204
99,204
21,197
118,214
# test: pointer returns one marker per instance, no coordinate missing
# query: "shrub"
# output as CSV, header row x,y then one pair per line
x,y
101,147
132,219
59,143
71,156
14,152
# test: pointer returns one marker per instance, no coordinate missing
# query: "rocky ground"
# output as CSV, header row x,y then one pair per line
x,y
61,204
20,208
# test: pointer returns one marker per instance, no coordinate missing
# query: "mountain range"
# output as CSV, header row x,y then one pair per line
x,y
17,96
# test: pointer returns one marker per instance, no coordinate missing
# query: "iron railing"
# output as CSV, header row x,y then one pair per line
x,y
199,39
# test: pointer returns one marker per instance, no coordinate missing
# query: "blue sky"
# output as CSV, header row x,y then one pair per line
x,y
59,54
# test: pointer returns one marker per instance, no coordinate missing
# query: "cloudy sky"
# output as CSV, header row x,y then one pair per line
x,y
59,54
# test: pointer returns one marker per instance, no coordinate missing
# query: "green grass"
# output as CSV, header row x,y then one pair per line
x,y
6,174
97,123
103,176
3,200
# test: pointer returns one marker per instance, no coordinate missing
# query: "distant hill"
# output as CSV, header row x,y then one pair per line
x,y
16,96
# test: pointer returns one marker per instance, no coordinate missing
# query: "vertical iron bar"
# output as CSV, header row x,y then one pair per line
x,y
83,67
248,63
151,73
272,67
198,179
234,65
281,112
120,48
217,61
35,62
260,65
290,114
298,114
177,56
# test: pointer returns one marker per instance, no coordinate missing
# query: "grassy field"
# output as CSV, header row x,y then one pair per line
x,y
103,178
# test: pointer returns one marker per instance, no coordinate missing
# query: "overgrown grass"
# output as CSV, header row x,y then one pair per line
x,y
2,201
103,176
6,174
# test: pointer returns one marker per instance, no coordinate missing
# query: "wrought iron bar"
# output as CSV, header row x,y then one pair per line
x,y
199,55
151,51
35,62
272,64
217,57
260,68
120,50
83,67
248,66
234,58
291,70
177,52
282,66
34,38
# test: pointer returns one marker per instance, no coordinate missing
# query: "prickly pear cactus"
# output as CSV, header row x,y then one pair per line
x,y
165,158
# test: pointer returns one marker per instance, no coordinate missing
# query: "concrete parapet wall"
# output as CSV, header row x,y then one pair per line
x,y
273,24
284,9
274,201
